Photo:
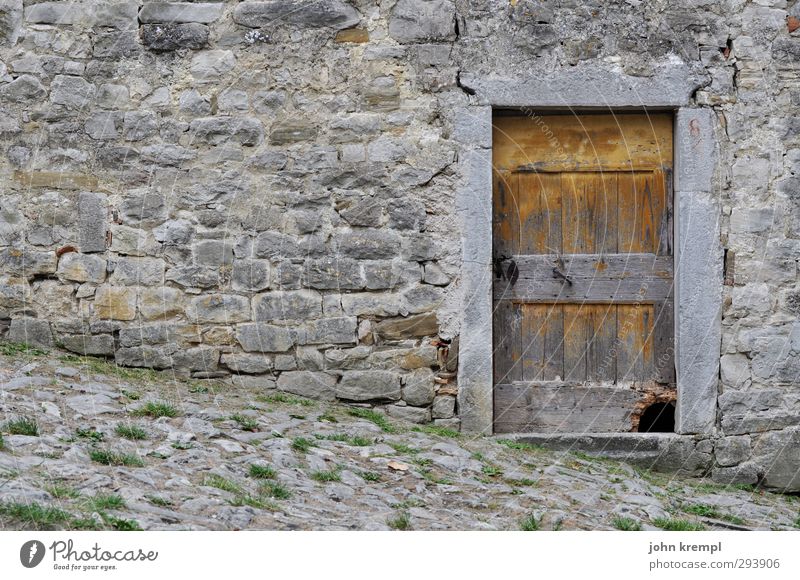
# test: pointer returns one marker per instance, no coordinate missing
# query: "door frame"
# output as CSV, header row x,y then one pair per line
x,y
698,253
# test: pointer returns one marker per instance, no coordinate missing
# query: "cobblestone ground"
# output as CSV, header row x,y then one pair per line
x,y
87,445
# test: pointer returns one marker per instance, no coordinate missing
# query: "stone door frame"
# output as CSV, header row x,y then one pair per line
x,y
698,253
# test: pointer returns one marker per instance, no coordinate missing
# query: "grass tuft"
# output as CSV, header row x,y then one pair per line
x,y
222,483
33,514
519,445
370,476
17,348
156,409
133,432
677,525
326,476
245,423
107,457
529,524
23,426
61,491
262,472
275,490
102,502
89,433
440,431
302,444
375,417
626,524
402,521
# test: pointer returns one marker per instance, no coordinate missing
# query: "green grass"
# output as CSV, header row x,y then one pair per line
x,y
61,491
262,472
274,490
519,445
676,525
326,476
626,524
222,483
2,442
375,417
156,409
354,440
89,433
440,431
529,524
102,502
522,482
133,432
18,348
86,523
328,417
257,502
287,399
33,514
103,366
370,476
23,426
159,501
403,448
107,457
245,423
302,444
122,525
702,510
492,470
402,521
132,395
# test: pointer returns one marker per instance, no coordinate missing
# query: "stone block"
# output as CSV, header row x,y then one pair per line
x,y
314,385
419,388
96,345
84,14
115,303
260,337
151,334
198,359
211,65
154,357
695,150
335,14
444,407
103,126
169,37
72,92
215,130
369,386
730,451
295,305
213,253
143,206
251,275
334,274
746,473
25,88
219,308
291,131
777,453
371,304
340,330
181,12
138,272
139,125
247,363
81,268
30,331
369,244
160,302
418,326
418,21
410,414
10,21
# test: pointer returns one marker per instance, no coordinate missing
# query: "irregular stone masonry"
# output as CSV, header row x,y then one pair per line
x,y
269,187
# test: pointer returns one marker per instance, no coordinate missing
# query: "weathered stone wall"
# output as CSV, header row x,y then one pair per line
x,y
267,190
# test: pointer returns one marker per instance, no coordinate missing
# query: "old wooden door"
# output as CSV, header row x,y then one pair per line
x,y
583,289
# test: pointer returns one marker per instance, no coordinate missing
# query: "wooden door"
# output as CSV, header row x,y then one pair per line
x,y
583,271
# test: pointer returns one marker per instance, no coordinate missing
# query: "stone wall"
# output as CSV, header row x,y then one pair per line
x,y
267,191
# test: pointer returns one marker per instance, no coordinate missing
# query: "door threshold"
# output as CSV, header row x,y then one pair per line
x,y
669,452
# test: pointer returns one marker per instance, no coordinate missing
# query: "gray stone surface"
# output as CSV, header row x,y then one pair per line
x,y
181,12
335,14
295,305
221,308
30,331
168,37
308,384
418,388
82,268
261,337
369,386
422,21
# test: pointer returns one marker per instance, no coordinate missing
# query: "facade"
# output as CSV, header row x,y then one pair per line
x,y
299,195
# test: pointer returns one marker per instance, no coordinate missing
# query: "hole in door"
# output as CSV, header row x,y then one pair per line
x,y
658,418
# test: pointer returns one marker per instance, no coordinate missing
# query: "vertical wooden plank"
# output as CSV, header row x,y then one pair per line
x,y
589,213
663,342
553,363
601,357
642,204
507,342
635,342
666,229
539,196
534,320
576,335
506,213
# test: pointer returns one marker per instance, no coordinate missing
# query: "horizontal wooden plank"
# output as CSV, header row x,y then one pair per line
x,y
593,142
592,290
520,407
606,267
